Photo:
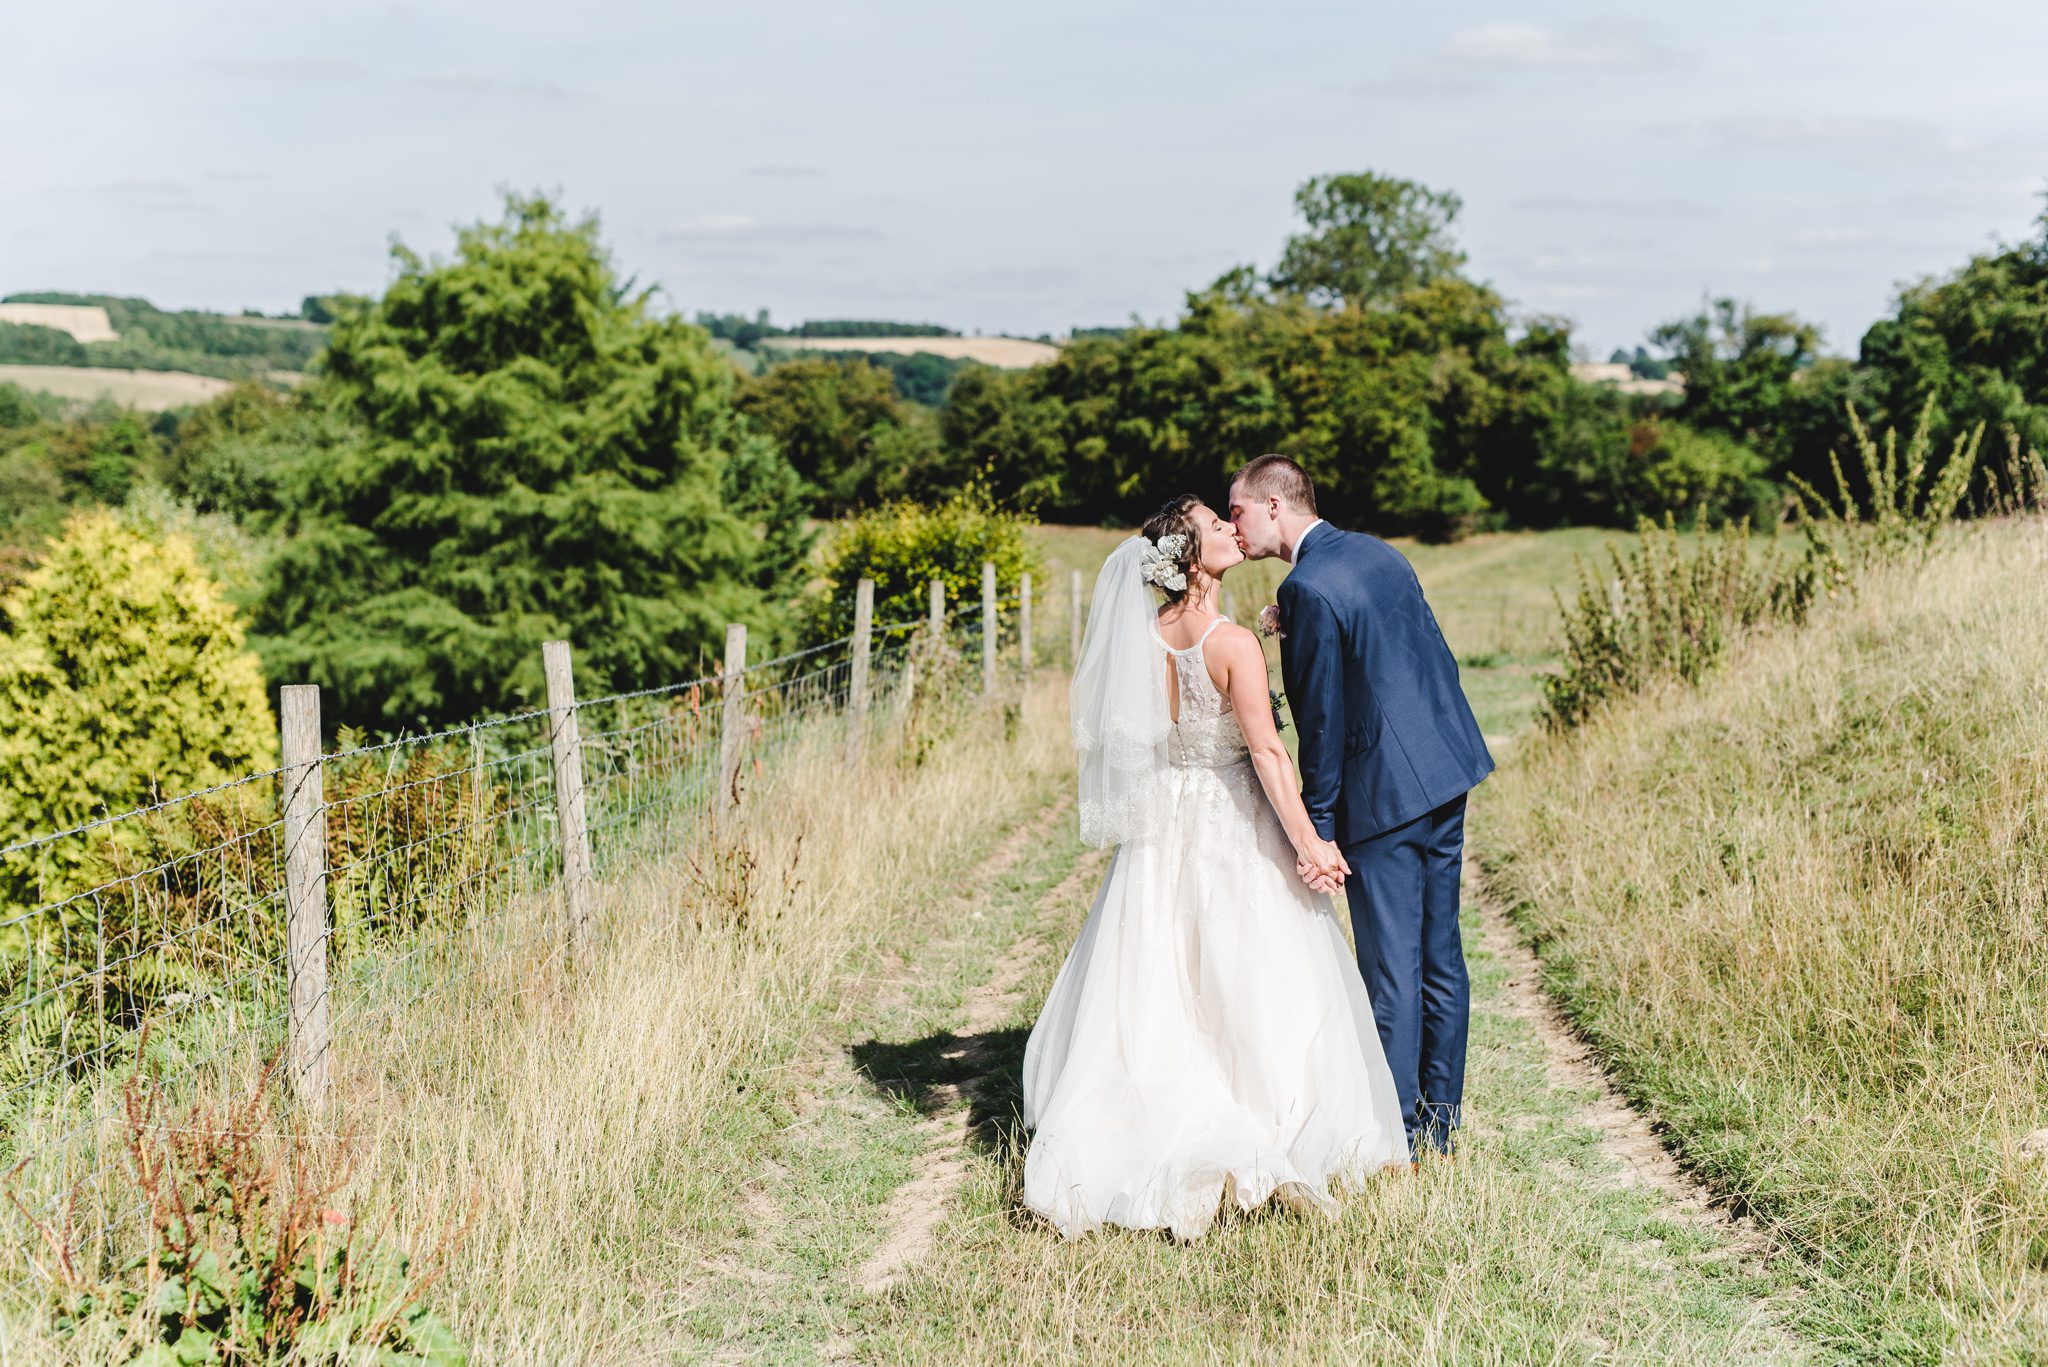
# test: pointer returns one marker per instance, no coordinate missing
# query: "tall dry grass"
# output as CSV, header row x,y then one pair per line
x,y
1802,910
592,1127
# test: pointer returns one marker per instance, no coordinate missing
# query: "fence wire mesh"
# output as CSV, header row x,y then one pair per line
x,y
154,941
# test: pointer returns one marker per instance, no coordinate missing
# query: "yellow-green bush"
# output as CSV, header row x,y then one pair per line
x,y
904,546
123,677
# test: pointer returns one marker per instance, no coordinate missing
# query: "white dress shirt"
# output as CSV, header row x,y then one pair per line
x,y
1302,540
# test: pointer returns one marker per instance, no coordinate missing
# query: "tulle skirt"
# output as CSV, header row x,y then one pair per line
x,y
1208,1037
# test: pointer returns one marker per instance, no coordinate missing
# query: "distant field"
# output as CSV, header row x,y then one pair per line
x,y
152,391
1005,353
84,322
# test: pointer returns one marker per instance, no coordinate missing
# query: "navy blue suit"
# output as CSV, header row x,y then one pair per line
x,y
1388,748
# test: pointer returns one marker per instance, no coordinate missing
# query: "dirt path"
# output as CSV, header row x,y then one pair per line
x,y
1626,1134
917,1210
836,1110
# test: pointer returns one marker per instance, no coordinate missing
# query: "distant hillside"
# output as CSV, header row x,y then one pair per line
x,y
83,322
111,332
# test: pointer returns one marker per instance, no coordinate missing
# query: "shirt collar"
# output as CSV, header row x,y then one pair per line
x,y
1302,540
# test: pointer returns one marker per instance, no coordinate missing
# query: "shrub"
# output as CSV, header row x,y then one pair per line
x,y
1908,503
122,677
1676,471
247,1261
1663,616
904,546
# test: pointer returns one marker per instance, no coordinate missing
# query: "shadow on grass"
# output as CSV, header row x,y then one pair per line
x,y
933,1074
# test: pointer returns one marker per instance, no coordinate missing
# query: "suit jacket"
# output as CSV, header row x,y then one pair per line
x,y
1383,729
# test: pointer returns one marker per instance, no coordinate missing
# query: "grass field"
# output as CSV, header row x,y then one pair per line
x,y
777,1122
152,391
1803,913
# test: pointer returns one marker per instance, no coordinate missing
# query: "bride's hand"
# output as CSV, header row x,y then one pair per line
x,y
1318,881
1321,864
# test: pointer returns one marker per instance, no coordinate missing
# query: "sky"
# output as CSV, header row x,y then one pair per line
x,y
1025,168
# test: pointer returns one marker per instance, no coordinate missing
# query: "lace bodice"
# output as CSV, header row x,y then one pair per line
x,y
1207,735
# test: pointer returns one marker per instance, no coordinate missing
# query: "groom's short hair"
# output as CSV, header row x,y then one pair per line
x,y
1277,477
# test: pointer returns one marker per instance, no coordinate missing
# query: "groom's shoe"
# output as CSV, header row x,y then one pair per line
x,y
1436,1130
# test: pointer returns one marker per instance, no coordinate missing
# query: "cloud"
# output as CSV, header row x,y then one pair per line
x,y
1863,142
327,71
321,70
772,171
1527,47
711,225
1477,59
1617,208
172,189
476,83
1561,293
731,227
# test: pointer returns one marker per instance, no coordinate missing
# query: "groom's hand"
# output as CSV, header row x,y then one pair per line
x,y
1317,880
1322,866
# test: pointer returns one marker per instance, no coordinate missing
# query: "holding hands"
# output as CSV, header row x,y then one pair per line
x,y
1321,865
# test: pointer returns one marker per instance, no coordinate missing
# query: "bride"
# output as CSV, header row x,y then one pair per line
x,y
1208,1039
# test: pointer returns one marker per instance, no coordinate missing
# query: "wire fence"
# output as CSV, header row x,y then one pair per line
x,y
174,940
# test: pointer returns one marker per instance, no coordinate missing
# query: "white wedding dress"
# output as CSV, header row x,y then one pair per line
x,y
1209,1037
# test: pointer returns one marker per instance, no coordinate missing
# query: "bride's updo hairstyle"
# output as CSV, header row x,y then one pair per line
x,y
1172,520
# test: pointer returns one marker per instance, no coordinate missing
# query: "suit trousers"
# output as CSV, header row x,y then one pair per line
x,y
1403,892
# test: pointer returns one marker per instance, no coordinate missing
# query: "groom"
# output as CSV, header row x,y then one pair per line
x,y
1388,750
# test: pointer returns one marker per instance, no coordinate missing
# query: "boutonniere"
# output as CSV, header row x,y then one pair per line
x,y
1269,621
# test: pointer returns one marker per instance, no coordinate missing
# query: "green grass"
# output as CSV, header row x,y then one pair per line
x,y
1528,1249
1803,911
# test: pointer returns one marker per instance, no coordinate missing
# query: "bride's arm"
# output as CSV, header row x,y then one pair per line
x,y
1236,652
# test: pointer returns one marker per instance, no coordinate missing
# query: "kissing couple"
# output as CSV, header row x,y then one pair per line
x,y
1210,1038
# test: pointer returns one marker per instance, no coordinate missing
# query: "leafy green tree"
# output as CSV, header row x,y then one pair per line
x,y
25,407
921,377
123,675
1739,367
237,454
1680,473
840,423
764,491
29,344
533,455
1369,238
1976,343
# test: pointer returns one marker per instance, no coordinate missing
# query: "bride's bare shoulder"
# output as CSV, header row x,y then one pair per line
x,y
1232,639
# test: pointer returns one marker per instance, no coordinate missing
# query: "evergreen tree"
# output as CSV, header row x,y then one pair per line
x,y
535,456
123,676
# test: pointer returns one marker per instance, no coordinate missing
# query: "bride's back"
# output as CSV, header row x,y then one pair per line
x,y
1194,687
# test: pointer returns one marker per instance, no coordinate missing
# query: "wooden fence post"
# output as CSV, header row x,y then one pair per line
x,y
305,891
1074,622
1024,624
863,647
988,628
565,737
732,731
936,618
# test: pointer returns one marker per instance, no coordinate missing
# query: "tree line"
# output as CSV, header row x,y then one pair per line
x,y
515,442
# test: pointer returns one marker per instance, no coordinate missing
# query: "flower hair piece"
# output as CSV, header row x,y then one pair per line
x,y
1160,562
